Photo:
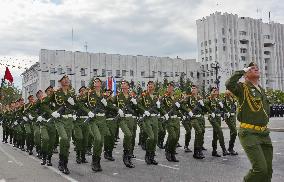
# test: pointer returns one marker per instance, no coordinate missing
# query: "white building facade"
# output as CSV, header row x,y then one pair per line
x,y
81,67
228,43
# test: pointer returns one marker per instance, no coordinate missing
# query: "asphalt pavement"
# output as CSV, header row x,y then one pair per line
x,y
18,166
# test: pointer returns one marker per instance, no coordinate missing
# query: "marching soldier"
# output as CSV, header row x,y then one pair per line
x,y
63,114
214,107
253,114
230,119
150,102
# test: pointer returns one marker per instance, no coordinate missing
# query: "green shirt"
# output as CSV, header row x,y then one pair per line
x,y
253,105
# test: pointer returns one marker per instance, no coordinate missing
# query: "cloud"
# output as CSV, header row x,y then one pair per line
x,y
149,27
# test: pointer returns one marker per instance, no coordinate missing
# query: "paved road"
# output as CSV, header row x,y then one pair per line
x,y
17,166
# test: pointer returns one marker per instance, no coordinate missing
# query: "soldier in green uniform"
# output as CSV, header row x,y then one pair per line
x,y
230,119
112,126
126,105
20,126
81,128
253,115
150,102
64,116
27,117
172,108
196,108
36,126
97,104
214,107
5,123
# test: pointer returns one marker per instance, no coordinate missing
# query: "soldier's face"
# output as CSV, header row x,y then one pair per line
x,y
31,99
253,73
82,91
151,87
124,86
97,83
170,88
39,95
108,93
194,90
65,82
215,92
49,91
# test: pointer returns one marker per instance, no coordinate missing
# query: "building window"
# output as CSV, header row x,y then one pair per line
x,y
206,59
69,71
203,74
103,72
206,51
201,44
154,74
209,42
207,81
109,73
197,75
52,70
123,72
266,36
52,83
143,84
210,50
172,74
60,71
95,72
243,58
160,73
223,31
131,73
83,72
83,83
117,73
211,80
205,43
210,58
191,74
143,73
211,73
216,48
224,40
202,52
216,41
243,33
202,59
224,48
243,50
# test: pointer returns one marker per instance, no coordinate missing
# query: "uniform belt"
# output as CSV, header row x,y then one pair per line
x,y
198,115
153,114
253,127
135,117
83,117
67,116
127,115
175,116
100,114
218,114
109,119
232,114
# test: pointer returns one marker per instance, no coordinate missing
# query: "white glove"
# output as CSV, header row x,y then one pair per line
x,y
158,103
183,117
55,114
247,69
201,102
74,117
213,115
120,112
71,101
133,101
25,118
166,116
15,123
104,102
221,104
190,113
147,113
236,103
91,114
31,117
228,115
177,104
40,119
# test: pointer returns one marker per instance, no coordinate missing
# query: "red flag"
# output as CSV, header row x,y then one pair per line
x,y
8,76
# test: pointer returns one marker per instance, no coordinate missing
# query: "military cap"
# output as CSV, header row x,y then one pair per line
x,y
48,88
252,64
65,76
171,83
83,87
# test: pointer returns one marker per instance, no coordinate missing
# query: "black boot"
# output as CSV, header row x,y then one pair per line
x,y
161,145
168,156
83,157
78,157
43,159
61,163
173,155
231,149
178,145
215,153
96,167
132,155
186,149
65,168
196,153
201,153
148,158
152,157
127,159
49,161
108,155
143,145
225,152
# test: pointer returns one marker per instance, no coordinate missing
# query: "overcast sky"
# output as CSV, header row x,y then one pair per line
x,y
147,27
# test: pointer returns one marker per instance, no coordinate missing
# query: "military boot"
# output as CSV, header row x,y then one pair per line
x,y
108,155
96,167
127,159
49,160
78,157
43,159
173,156
83,157
65,168
61,163
152,157
148,158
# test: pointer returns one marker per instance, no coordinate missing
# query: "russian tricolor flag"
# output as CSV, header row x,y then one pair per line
x,y
111,85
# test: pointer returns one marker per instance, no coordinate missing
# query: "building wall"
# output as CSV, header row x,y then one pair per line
x,y
81,67
233,42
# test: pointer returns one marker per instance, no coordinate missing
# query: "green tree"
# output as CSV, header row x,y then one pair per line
x,y
9,93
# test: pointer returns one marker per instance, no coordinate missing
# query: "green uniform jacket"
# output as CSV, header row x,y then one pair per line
x,y
253,105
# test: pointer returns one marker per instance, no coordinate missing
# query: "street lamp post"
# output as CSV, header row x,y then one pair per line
x,y
216,67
